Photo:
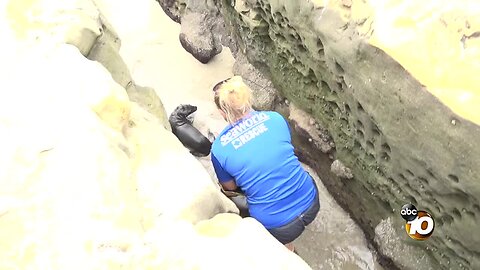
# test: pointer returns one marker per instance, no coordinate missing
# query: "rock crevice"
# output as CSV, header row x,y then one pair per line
x,y
402,143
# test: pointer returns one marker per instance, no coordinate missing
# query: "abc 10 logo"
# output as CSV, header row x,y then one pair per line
x,y
419,224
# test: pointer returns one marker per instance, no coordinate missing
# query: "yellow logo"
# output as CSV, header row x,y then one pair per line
x,y
419,224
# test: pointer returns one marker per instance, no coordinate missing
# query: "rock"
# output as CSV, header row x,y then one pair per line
x,y
340,170
176,10
68,191
160,161
75,22
106,51
319,136
388,235
203,246
197,38
173,9
324,147
89,185
100,93
264,93
148,99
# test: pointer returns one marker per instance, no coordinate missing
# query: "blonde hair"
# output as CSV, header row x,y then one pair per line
x,y
233,97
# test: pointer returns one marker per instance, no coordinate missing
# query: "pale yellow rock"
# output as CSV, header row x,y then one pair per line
x,y
171,182
75,22
68,199
146,12
218,226
243,244
437,41
74,208
98,90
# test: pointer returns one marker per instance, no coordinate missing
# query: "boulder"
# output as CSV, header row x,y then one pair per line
x,y
202,28
197,38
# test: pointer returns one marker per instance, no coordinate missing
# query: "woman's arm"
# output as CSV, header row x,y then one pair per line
x,y
229,185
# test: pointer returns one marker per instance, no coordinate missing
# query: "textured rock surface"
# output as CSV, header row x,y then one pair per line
x,y
39,20
264,93
106,51
212,243
388,236
197,38
401,142
201,26
340,170
91,180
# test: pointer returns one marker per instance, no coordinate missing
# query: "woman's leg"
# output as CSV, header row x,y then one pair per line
x,y
289,232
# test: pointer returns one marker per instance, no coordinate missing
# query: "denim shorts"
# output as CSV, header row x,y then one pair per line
x,y
291,231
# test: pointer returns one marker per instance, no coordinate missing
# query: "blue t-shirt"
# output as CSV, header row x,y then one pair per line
x,y
258,154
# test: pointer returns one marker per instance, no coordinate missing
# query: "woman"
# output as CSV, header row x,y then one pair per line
x,y
254,153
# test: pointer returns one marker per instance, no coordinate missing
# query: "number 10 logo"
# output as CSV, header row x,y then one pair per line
x,y
419,224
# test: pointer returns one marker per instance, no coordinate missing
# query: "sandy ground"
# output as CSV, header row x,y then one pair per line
x,y
156,59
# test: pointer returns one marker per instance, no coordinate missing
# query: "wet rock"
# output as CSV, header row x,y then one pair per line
x,y
317,134
346,250
389,235
323,146
177,9
197,38
340,170
264,93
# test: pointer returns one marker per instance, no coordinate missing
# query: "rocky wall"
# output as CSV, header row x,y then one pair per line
x,y
405,137
401,142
